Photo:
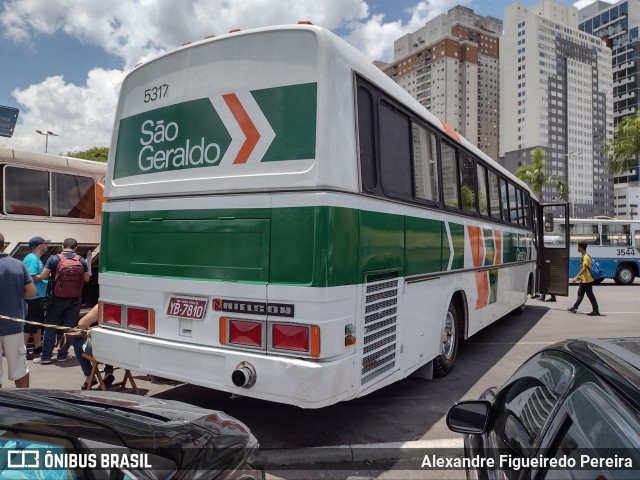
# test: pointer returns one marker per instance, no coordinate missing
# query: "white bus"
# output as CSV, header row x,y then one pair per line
x,y
615,244
54,197
285,222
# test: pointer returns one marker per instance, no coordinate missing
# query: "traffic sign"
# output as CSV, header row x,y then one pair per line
x,y
8,118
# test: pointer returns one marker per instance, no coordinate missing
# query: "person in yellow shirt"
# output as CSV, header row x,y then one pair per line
x,y
586,282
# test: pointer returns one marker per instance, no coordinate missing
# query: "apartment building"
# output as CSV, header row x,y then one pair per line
x,y
451,67
556,93
617,25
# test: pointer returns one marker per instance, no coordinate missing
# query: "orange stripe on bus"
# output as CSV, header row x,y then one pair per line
x,y
482,285
248,128
477,252
497,235
477,245
451,132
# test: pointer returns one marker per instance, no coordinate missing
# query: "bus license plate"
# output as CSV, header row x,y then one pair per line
x,y
192,308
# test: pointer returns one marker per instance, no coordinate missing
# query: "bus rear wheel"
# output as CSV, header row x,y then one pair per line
x,y
624,275
449,339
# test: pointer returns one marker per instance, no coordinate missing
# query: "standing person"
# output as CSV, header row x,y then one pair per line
x,y
543,296
16,285
70,272
35,305
586,282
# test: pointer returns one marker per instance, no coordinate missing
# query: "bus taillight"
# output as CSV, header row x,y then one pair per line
x,y
141,319
296,338
243,332
111,314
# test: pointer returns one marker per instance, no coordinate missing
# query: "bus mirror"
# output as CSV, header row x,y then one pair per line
x,y
548,222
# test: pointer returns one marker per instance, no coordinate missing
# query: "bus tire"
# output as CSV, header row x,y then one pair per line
x,y
624,275
449,339
520,310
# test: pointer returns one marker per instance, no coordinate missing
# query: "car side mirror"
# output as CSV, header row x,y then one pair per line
x,y
470,416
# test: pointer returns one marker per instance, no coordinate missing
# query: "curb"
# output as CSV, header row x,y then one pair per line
x,y
373,452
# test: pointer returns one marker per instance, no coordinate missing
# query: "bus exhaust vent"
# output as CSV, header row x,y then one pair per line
x,y
380,325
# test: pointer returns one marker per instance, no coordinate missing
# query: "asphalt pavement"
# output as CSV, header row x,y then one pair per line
x,y
387,433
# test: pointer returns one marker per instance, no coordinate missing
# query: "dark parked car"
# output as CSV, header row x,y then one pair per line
x,y
570,411
46,434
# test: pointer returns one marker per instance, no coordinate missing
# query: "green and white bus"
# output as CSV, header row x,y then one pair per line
x,y
285,222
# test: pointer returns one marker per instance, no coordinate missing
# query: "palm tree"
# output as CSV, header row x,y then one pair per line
x,y
624,149
536,176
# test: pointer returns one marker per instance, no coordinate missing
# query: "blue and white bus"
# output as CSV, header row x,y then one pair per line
x,y
615,244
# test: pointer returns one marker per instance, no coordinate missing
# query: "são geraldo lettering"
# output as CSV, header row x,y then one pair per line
x,y
152,159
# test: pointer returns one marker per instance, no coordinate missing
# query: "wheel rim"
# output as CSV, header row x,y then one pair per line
x,y
448,336
625,275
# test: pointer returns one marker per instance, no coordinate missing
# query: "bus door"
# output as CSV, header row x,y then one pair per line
x,y
553,248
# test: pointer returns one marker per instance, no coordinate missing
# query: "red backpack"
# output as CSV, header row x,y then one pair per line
x,y
69,277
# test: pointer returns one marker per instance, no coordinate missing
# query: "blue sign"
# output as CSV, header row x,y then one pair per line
x,y
8,118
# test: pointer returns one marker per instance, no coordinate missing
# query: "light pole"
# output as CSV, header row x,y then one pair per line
x,y
571,201
46,134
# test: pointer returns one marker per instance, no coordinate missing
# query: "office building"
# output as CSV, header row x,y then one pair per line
x,y
556,93
617,24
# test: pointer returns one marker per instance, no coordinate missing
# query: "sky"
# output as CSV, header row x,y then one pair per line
x,y
65,59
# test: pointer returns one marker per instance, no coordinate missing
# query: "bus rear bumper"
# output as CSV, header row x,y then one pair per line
x,y
305,383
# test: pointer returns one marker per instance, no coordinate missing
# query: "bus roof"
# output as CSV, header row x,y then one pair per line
x,y
330,46
45,160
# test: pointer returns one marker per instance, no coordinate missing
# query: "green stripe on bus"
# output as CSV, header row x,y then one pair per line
x,y
291,112
182,136
457,239
305,246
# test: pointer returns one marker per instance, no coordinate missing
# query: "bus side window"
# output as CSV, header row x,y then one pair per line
x,y
468,192
425,164
621,235
504,195
636,234
605,235
494,196
449,175
27,191
527,209
1,189
366,138
483,197
394,131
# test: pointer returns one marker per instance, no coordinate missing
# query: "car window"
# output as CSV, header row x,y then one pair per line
x,y
596,426
527,400
25,455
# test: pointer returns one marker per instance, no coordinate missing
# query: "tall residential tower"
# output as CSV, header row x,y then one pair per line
x,y
556,93
451,66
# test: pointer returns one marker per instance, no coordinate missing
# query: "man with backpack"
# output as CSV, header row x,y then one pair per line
x,y
70,272
586,282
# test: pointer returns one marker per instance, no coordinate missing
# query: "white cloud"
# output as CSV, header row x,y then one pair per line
x,y
138,30
82,116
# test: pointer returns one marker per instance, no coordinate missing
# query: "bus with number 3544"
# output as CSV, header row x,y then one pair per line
x,y
285,222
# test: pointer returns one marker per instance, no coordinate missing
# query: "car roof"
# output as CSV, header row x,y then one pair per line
x,y
616,360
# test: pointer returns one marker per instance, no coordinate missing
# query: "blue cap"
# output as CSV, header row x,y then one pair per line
x,y
35,241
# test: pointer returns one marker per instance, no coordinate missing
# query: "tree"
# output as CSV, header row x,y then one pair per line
x,y
536,177
97,154
624,150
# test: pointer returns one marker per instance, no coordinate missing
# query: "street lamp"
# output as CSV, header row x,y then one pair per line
x,y
571,201
46,134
